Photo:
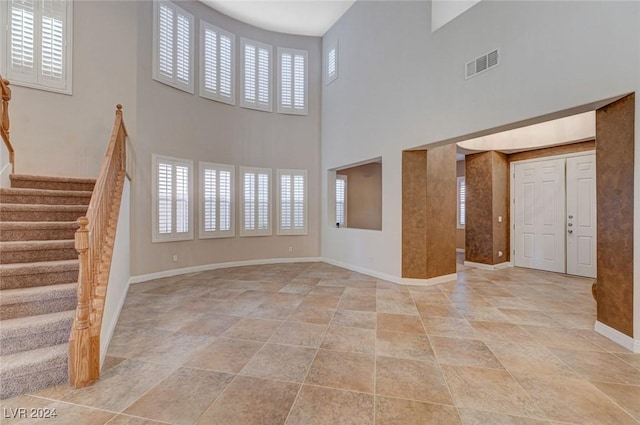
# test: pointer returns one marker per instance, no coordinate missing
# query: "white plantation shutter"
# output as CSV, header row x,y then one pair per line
x,y
292,81
255,201
216,204
217,64
173,41
331,63
341,193
172,193
256,75
461,202
292,202
39,32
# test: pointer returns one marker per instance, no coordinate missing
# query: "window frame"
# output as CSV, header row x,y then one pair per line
x,y
256,105
203,233
292,110
243,232
330,78
292,230
461,203
156,74
203,91
344,178
156,236
37,81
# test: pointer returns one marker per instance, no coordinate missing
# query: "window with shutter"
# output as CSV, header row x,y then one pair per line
x,y
37,52
461,202
292,202
217,64
331,63
341,200
173,41
255,201
216,200
292,81
256,75
173,199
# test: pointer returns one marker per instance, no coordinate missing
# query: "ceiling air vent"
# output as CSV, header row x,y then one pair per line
x,y
482,63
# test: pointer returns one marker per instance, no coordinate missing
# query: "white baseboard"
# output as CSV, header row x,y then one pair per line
x,y
395,279
459,249
431,281
618,337
214,266
483,266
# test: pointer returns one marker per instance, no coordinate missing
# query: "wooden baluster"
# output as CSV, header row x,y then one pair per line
x,y
80,349
6,97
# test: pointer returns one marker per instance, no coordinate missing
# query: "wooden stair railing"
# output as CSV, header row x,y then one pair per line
x,y
94,241
4,120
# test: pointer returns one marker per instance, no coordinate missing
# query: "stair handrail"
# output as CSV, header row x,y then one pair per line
x,y
5,122
94,242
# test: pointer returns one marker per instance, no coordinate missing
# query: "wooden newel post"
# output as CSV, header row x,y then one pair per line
x,y
80,352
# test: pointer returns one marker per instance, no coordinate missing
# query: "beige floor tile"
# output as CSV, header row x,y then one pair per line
x,y
253,329
489,390
66,414
350,339
445,326
132,420
404,346
572,400
627,396
464,352
502,332
321,301
327,290
175,349
303,334
271,311
288,299
530,359
406,306
632,359
209,324
399,323
224,355
319,316
477,417
128,341
437,310
182,397
430,297
348,371
366,303
393,411
560,338
327,406
483,313
58,392
16,409
529,317
280,362
595,366
121,385
295,289
411,379
249,401
353,318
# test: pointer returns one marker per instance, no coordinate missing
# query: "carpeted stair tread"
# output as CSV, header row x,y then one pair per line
x,y
41,212
49,182
25,275
37,230
33,370
45,196
30,251
30,333
38,300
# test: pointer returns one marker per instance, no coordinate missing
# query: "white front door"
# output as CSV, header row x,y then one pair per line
x,y
581,216
540,215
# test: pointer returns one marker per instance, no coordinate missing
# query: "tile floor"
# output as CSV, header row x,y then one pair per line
x,y
315,344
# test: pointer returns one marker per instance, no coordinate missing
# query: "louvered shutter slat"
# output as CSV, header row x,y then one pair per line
x,y
182,199
249,201
211,60
22,37
183,49
340,192
298,202
225,201
299,82
165,198
285,80
263,202
285,202
209,200
263,76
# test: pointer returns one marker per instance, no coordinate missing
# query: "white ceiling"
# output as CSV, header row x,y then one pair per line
x,y
302,17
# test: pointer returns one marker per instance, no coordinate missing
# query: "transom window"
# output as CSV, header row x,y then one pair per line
x,y
292,81
256,75
217,64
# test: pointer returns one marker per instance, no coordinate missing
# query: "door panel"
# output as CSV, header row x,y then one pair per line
x,y
581,216
540,215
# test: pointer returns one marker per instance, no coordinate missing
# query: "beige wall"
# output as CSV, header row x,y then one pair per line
x,y
364,196
459,232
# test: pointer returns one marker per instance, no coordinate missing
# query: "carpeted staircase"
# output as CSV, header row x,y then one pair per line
x,y
38,279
